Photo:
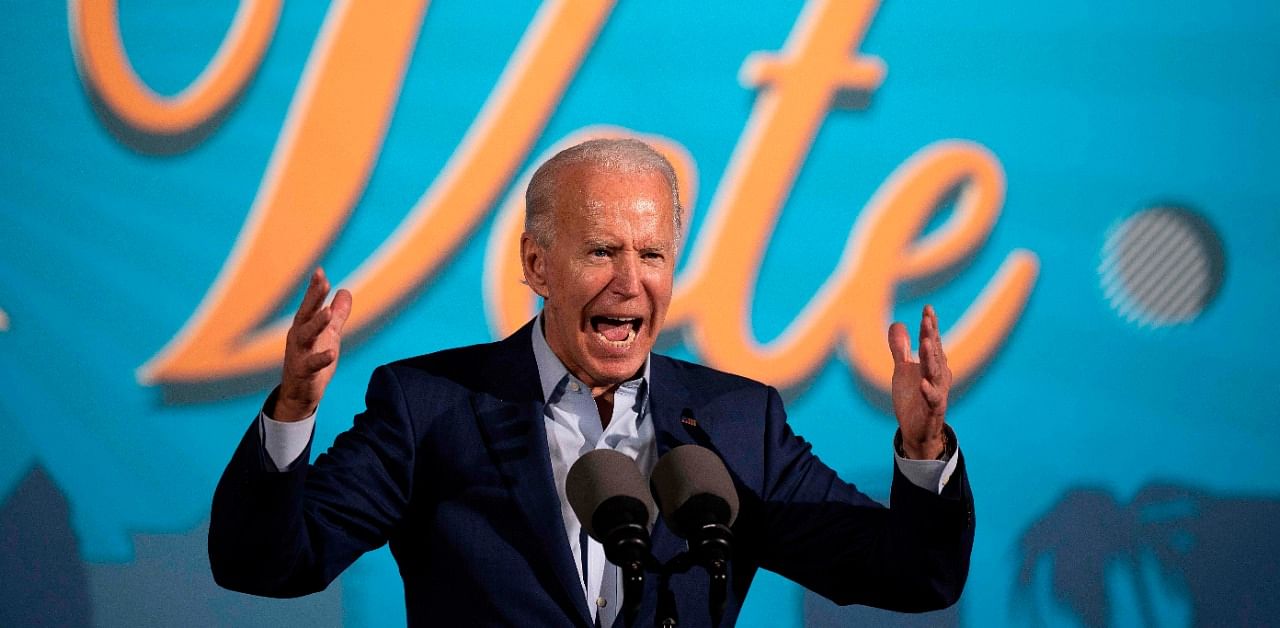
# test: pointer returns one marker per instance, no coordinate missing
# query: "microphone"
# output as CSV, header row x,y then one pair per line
x,y
699,502
696,496
608,494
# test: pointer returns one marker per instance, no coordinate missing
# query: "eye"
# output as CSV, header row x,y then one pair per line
x,y
600,252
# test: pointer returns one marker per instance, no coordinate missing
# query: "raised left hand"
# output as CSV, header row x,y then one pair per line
x,y
920,388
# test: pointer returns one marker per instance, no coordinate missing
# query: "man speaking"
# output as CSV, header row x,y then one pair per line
x,y
460,459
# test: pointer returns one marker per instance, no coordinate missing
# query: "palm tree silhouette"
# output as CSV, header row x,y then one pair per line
x,y
1222,553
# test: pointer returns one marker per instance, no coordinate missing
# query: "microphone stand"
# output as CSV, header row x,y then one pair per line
x,y
627,546
666,615
712,548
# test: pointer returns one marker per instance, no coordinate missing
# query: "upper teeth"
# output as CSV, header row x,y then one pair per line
x,y
612,319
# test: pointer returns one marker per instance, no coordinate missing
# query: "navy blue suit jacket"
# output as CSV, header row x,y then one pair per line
x,y
449,465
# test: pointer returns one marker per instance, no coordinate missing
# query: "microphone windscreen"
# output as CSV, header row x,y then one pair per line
x,y
694,476
606,475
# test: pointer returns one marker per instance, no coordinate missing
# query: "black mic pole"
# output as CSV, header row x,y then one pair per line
x,y
627,546
719,573
712,546
666,615
632,590
699,502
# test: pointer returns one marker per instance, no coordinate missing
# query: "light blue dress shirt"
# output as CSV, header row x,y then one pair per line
x,y
574,428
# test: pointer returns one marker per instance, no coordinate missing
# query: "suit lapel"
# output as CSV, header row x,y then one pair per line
x,y
511,418
671,407
675,423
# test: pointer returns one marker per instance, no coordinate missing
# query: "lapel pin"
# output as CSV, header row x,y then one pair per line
x,y
686,417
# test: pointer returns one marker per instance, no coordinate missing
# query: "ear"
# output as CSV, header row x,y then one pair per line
x,y
533,260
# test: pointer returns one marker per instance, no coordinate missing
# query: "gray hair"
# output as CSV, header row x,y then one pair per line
x,y
612,155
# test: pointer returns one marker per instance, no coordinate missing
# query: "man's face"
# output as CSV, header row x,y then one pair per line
x,y
606,276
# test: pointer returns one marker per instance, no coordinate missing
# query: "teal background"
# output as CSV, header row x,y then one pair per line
x,y
1095,111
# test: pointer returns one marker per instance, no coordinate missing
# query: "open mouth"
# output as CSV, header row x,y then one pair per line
x,y
616,332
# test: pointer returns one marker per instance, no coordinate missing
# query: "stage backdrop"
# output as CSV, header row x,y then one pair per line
x,y
1086,191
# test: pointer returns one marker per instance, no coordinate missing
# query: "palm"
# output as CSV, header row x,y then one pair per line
x,y
909,404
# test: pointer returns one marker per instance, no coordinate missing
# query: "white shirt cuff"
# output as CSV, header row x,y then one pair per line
x,y
285,440
931,475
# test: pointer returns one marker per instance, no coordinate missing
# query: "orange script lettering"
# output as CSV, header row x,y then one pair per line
x,y
308,192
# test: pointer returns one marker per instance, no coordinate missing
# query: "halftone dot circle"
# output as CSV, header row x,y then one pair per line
x,y
1162,266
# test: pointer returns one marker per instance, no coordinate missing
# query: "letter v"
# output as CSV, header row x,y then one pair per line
x,y
323,160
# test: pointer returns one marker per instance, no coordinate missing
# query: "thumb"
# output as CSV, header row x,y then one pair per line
x,y
899,343
341,308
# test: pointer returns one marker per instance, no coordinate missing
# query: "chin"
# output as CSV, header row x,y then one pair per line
x,y
615,370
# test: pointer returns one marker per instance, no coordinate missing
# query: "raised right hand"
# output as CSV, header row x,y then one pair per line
x,y
920,387
311,350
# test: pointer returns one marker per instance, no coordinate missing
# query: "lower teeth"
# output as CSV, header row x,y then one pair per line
x,y
631,335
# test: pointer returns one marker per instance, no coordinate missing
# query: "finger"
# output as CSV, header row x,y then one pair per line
x,y
333,317
932,315
307,331
317,288
935,365
927,361
318,361
937,341
341,308
940,367
935,396
899,343
929,366
927,328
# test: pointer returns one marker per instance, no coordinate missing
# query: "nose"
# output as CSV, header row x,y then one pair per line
x,y
626,276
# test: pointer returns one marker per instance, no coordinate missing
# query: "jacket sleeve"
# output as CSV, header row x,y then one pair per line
x,y
812,527
290,533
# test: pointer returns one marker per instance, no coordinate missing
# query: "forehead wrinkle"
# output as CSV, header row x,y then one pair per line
x,y
591,202
590,215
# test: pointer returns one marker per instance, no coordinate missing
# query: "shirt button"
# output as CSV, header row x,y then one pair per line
x,y
601,602
574,386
